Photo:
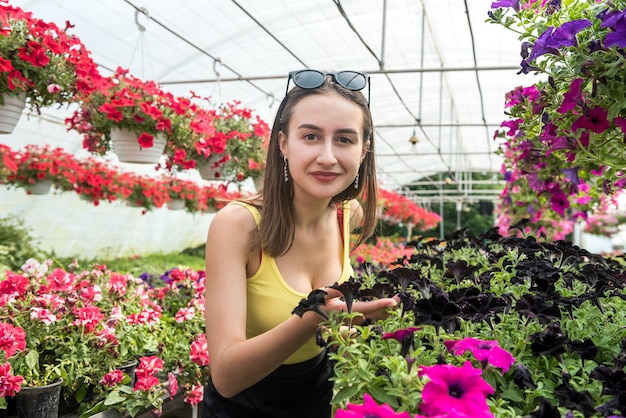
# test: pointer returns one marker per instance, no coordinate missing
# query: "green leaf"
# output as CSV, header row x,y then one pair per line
x,y
114,398
32,359
512,395
346,393
381,396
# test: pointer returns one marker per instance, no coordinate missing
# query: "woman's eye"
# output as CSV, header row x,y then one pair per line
x,y
310,137
345,140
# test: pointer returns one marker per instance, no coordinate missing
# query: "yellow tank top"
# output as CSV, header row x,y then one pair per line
x,y
270,299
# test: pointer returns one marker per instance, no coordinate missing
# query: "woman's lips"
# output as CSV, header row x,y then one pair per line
x,y
324,176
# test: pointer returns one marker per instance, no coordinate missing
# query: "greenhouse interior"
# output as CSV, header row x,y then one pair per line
x,y
499,135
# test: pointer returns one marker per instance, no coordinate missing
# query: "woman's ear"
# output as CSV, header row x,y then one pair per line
x,y
366,148
282,143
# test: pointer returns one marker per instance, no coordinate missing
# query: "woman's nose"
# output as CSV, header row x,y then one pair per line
x,y
327,153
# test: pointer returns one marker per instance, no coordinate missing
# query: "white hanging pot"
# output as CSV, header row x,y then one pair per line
x,y
208,169
176,204
40,187
128,150
11,112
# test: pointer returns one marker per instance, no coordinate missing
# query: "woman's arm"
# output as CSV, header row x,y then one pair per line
x,y
237,363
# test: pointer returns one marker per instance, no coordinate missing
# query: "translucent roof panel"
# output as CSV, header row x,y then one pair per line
x,y
437,67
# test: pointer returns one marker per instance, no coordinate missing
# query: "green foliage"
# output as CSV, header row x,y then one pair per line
x,y
155,263
16,243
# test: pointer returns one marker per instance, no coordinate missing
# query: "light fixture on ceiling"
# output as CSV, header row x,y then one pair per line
x,y
414,139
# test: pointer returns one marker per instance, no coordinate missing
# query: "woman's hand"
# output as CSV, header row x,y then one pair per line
x,y
374,309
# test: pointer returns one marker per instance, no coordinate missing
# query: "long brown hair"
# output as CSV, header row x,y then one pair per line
x,y
277,228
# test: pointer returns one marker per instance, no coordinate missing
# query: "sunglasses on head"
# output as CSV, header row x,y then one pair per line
x,y
312,79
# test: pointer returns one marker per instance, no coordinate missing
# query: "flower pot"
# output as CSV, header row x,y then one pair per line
x,y
208,169
10,112
129,369
128,150
176,204
39,401
40,188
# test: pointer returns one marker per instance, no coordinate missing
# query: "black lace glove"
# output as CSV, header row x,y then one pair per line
x,y
312,303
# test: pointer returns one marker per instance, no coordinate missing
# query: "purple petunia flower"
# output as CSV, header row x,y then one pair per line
x,y
453,390
617,22
571,174
542,45
506,3
565,35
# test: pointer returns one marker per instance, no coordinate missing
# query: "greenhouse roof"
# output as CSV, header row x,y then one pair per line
x,y
438,69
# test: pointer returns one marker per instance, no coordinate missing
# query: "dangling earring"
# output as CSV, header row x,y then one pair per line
x,y
285,170
356,181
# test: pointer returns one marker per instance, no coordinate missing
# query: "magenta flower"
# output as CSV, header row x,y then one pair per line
x,y
455,390
559,201
404,337
484,351
572,97
594,120
370,409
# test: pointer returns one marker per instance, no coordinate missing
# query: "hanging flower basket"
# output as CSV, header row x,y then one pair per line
x,y
10,112
127,147
40,188
211,169
176,204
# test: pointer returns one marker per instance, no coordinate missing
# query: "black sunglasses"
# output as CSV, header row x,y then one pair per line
x,y
312,79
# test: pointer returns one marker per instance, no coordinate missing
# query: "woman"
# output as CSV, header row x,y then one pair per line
x,y
264,257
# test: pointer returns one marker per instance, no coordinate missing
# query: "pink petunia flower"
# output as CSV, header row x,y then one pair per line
x,y
370,409
453,389
149,366
199,352
194,396
43,315
112,378
146,383
483,351
9,383
12,339
173,384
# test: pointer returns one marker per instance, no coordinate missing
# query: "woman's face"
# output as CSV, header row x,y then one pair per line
x,y
325,146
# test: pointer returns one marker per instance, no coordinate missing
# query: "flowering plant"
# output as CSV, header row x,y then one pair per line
x,y
486,326
96,181
82,325
564,139
41,60
397,208
237,143
33,164
126,102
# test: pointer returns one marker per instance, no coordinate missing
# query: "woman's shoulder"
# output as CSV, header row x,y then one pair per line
x,y
236,213
356,213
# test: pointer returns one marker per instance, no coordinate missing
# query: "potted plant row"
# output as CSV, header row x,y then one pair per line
x,y
80,327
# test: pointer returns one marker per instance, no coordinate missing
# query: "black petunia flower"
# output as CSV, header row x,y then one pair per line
x,y
549,341
437,311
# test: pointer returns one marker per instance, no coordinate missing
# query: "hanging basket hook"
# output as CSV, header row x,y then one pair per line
x,y
143,10
217,61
